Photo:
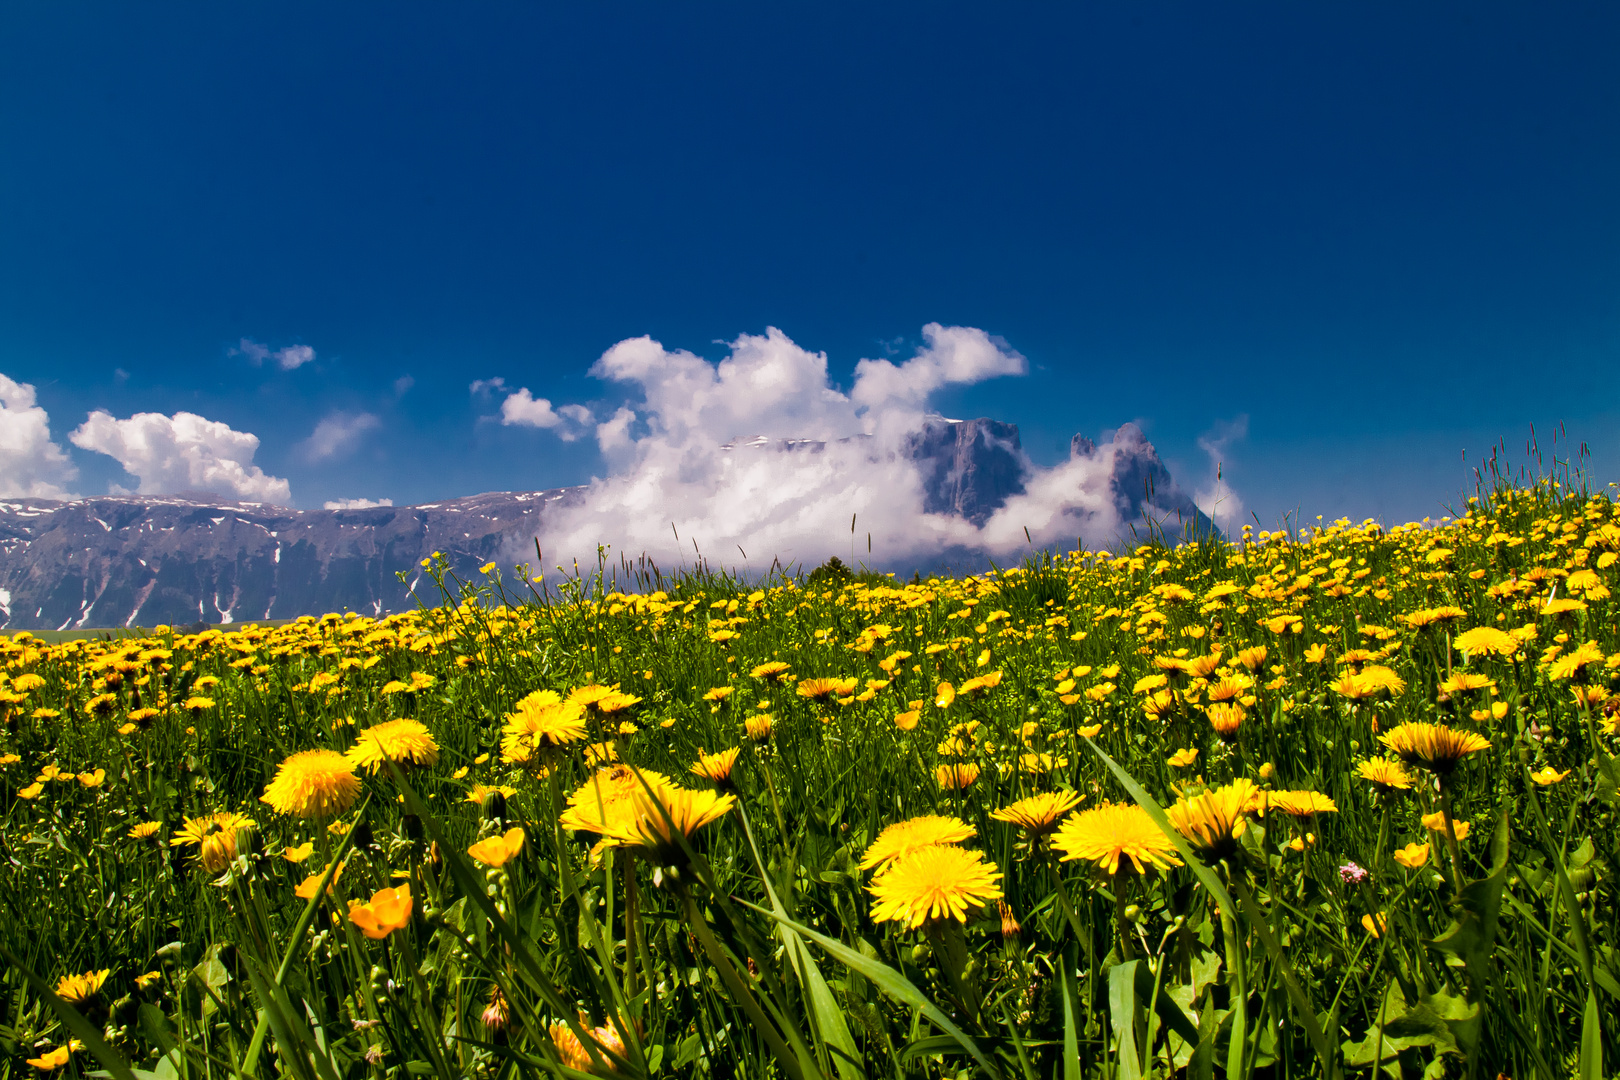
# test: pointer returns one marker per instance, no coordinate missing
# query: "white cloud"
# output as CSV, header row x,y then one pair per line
x,y
683,456
288,358
954,354
355,504
183,452
1216,498
255,352
403,384
338,433
486,386
31,464
522,409
294,356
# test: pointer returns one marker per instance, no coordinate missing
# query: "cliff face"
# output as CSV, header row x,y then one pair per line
x,y
969,467
140,561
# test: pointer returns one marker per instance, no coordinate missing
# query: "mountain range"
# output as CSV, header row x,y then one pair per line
x,y
118,561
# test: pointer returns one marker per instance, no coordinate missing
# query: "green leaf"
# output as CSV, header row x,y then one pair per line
x,y
1472,933
1071,1035
1122,1018
890,982
1591,1063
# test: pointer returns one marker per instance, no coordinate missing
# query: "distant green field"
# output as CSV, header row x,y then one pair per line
x,y
115,632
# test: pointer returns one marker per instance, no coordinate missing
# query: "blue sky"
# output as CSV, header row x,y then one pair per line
x,y
1376,236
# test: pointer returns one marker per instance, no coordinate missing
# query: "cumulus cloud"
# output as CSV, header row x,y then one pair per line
x,y
294,356
522,409
31,464
1216,498
288,358
355,504
760,457
338,433
183,452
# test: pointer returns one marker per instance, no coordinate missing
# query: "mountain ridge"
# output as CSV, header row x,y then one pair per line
x,y
122,560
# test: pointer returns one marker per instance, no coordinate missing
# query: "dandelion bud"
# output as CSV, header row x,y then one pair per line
x,y
494,805
1267,771
1010,930
495,1014
217,850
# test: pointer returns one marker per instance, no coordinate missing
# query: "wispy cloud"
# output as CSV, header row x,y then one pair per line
x,y
338,433
1216,498
288,358
355,504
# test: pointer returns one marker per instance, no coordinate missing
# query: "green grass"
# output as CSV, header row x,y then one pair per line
x,y
751,948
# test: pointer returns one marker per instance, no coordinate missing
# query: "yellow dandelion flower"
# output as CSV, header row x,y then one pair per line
x,y
313,784
53,1059
388,910
1226,717
1486,641
1300,804
1413,856
773,670
1571,664
146,830
820,688
1437,616
937,882
1386,772
1463,681
719,693
1213,820
1371,681
1433,746
717,766
1436,822
658,815
1039,814
405,741
957,777
76,989
305,890
911,834
497,850
1182,758
980,683
540,722
1110,832
480,792
758,728
214,836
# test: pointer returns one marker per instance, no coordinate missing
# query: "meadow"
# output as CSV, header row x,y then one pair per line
x,y
1315,803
